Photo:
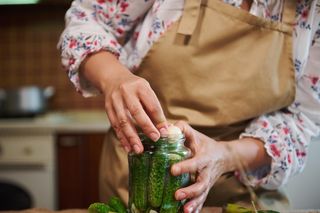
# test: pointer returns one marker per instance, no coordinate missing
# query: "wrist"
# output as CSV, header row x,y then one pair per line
x,y
249,152
102,69
229,160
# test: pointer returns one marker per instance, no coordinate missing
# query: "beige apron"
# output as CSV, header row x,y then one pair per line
x,y
216,68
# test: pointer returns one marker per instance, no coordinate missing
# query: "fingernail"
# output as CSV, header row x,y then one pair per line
x,y
163,131
136,148
154,136
181,196
176,170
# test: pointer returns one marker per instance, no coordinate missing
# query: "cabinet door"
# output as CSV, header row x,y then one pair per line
x,y
78,169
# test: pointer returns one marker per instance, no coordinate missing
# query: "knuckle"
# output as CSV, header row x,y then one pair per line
x,y
122,142
113,96
116,128
132,138
123,122
192,194
124,88
201,163
143,82
119,137
134,110
153,110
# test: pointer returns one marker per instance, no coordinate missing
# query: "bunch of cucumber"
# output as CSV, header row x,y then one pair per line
x,y
152,187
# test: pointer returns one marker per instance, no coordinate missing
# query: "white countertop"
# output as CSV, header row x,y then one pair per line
x,y
60,121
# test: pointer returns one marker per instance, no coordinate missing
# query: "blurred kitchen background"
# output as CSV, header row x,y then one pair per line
x,y
50,160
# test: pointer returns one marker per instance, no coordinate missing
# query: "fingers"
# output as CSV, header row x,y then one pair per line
x,y
125,123
153,107
191,165
195,205
113,120
196,192
139,115
132,101
199,187
189,133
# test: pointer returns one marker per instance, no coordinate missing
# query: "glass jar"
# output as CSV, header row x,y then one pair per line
x,y
151,185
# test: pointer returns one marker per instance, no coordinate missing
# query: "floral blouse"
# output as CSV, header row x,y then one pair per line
x,y
94,25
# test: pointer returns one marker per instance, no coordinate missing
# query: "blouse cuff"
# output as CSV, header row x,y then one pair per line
x,y
271,176
75,49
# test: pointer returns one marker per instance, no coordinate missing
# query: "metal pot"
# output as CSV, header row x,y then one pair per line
x,y
25,101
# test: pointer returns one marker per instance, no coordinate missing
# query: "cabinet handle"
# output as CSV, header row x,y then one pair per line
x,y
69,141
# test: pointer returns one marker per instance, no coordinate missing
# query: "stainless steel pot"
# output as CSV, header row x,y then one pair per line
x,y
25,101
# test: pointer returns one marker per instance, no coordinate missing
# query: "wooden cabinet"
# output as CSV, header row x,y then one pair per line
x,y
78,157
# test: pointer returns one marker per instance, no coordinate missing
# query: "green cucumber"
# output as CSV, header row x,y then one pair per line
x,y
99,208
173,183
171,209
158,170
116,204
140,173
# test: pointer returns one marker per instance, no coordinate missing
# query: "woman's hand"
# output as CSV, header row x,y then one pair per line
x,y
129,100
209,161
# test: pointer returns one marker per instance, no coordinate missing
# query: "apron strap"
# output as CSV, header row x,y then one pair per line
x,y
189,17
289,12
191,13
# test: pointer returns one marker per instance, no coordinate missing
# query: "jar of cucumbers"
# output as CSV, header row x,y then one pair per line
x,y
151,185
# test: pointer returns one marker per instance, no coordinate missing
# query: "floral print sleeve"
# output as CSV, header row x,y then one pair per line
x,y
287,133
94,25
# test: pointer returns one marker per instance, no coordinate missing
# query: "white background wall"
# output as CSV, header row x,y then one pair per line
x,y
303,190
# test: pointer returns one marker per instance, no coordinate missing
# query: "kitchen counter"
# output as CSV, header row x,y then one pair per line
x,y
61,121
